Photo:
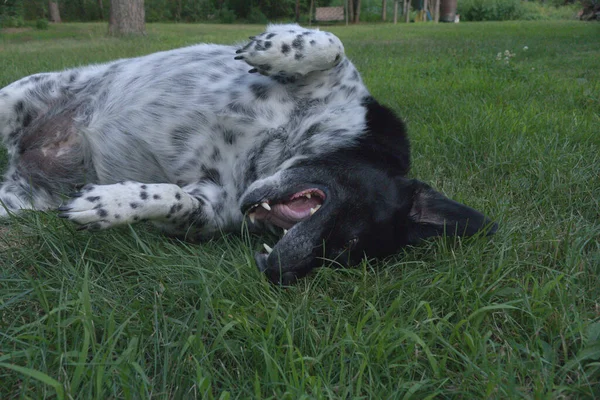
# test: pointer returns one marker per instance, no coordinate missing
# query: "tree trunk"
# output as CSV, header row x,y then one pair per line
x,y
383,10
357,12
297,10
126,18
395,11
101,8
53,12
351,9
407,11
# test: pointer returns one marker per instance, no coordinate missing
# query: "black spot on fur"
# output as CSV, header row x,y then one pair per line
x,y
285,48
102,212
298,56
313,42
7,202
216,155
117,216
143,195
144,187
133,205
271,35
330,40
258,46
173,209
19,107
156,197
314,128
93,199
298,43
229,136
212,175
268,45
260,90
178,196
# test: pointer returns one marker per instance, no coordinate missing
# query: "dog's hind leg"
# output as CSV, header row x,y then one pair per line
x,y
22,101
290,51
45,161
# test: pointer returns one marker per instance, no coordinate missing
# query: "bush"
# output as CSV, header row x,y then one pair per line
x,y
490,10
227,16
537,11
11,22
41,24
257,17
503,10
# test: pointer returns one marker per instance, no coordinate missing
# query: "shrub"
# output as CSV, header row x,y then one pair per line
x,y
257,17
490,10
41,24
11,21
227,16
502,10
537,11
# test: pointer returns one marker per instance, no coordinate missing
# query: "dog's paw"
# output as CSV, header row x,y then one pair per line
x,y
98,207
290,50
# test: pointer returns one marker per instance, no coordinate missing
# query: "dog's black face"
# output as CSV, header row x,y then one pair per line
x,y
354,203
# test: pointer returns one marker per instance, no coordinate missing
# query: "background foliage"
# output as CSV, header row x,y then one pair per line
x,y
14,13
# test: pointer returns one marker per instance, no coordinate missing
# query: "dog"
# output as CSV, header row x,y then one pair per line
x,y
279,133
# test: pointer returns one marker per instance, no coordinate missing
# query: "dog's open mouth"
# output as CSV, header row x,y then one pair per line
x,y
287,212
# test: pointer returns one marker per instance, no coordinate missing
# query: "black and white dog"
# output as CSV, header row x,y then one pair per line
x,y
195,142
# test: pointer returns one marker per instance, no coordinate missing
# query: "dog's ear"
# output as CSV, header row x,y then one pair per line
x,y
433,214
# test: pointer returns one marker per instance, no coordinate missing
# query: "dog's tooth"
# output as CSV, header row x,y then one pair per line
x,y
266,206
285,231
307,195
314,209
267,248
252,217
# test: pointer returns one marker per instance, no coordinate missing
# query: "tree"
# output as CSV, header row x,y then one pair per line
x,y
126,17
383,9
101,9
53,12
356,11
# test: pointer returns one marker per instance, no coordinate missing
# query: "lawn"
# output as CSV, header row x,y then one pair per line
x,y
129,313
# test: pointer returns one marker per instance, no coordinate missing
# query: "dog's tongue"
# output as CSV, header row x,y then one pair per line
x,y
301,205
288,213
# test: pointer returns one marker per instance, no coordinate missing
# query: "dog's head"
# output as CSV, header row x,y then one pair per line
x,y
351,203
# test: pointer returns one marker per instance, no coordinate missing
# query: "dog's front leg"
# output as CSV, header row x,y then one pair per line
x,y
171,207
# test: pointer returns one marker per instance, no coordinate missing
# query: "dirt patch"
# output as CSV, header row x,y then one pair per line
x,y
15,30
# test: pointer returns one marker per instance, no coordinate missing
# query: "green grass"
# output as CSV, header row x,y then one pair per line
x,y
130,314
